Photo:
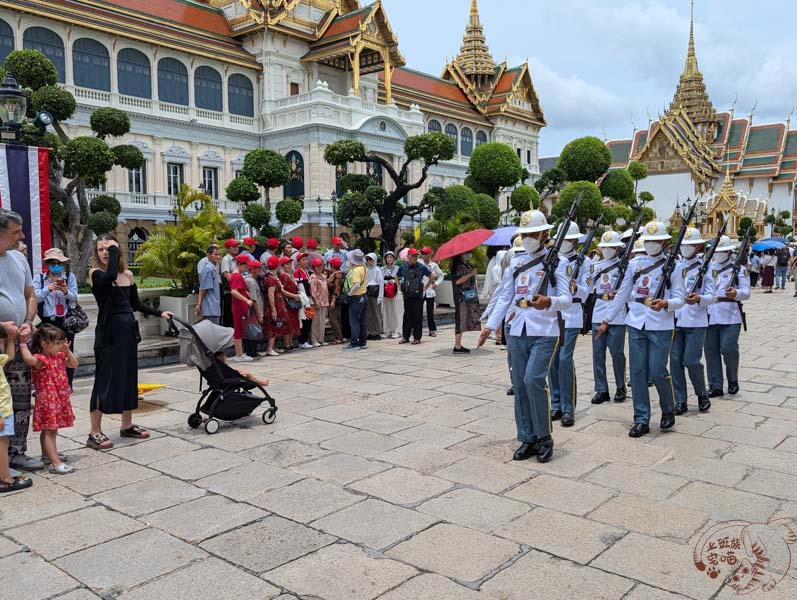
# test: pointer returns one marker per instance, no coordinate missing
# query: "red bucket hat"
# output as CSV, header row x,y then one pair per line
x,y
318,262
426,250
242,259
297,242
412,251
335,262
273,243
312,244
273,262
250,241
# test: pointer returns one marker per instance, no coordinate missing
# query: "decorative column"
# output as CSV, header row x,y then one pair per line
x,y
356,71
388,77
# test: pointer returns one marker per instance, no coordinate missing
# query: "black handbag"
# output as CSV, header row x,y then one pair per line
x,y
293,304
137,332
372,291
75,320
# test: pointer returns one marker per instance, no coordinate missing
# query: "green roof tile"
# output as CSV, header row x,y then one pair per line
x,y
760,160
765,138
735,135
791,144
620,152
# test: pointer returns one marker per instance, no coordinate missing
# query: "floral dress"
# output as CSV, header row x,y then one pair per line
x,y
270,327
53,410
289,285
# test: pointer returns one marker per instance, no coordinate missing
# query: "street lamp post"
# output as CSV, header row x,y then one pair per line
x,y
334,198
13,106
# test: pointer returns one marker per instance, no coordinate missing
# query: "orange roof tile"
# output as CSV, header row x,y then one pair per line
x,y
347,22
428,84
180,11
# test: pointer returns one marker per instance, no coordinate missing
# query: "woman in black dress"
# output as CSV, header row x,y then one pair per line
x,y
466,309
115,343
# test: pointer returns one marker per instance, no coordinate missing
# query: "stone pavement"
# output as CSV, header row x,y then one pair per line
x,y
388,475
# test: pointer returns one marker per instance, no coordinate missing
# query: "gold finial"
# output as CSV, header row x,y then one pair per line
x,y
474,12
474,56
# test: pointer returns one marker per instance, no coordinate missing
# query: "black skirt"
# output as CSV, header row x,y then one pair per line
x,y
116,378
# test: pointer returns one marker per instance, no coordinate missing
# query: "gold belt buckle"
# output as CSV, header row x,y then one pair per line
x,y
648,301
523,303
605,297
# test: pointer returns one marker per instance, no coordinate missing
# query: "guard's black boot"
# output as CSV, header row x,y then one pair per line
x,y
703,403
733,388
568,420
620,395
638,430
526,451
600,398
545,449
556,415
680,408
667,421
715,393
510,391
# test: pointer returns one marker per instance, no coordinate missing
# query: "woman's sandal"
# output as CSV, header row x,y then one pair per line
x,y
403,341
99,441
415,342
134,431
19,483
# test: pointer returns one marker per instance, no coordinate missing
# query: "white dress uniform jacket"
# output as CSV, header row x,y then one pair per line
x,y
723,312
534,322
695,315
637,287
574,316
602,283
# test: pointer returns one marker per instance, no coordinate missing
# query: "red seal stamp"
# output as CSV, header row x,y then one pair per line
x,y
749,556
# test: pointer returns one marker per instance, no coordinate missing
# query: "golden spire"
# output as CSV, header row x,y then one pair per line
x,y
474,57
691,94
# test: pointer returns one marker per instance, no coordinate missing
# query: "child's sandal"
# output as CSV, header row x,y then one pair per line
x,y
99,441
19,483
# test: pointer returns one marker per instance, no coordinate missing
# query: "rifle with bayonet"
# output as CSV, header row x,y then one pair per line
x,y
672,257
622,267
551,260
701,273
741,260
589,304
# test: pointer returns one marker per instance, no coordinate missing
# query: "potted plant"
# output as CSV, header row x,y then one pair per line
x,y
173,250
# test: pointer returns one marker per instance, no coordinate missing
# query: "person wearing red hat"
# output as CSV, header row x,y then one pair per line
x,y
241,305
319,296
412,276
271,250
249,248
312,244
252,278
338,251
430,296
293,302
228,266
337,299
302,278
275,313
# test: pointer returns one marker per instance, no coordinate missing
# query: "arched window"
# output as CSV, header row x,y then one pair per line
x,y
207,89
241,96
6,40
91,65
467,142
481,138
434,125
48,43
172,81
451,131
134,73
295,187
134,241
340,171
374,172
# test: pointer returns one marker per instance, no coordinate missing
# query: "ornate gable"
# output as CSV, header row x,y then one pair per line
x,y
660,157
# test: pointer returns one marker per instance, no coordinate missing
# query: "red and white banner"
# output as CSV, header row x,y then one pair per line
x,y
25,189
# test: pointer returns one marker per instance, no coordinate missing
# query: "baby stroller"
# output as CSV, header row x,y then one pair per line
x,y
229,396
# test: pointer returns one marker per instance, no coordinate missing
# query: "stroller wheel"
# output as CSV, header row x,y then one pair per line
x,y
212,426
194,420
270,416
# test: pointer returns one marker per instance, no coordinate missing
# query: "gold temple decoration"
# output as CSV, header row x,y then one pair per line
x,y
691,94
474,56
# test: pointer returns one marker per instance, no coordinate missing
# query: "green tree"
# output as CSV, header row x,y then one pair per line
x,y
494,166
619,186
266,168
488,213
637,170
550,182
524,197
428,148
257,217
590,206
585,159
242,190
455,199
476,186
84,160
288,211
785,214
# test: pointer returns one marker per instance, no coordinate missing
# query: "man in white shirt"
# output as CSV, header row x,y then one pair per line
x,y
725,319
650,321
431,293
533,325
602,279
562,376
691,322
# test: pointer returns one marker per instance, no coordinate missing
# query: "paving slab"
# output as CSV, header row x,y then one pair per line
x,y
105,477
711,470
574,497
73,531
285,453
725,504
363,443
401,486
538,575
211,578
46,500
24,574
315,431
469,556
341,572
247,481
636,480
204,517
434,435
431,587
198,464
234,438
374,523
341,468
649,516
383,423
306,500
484,474
148,496
285,540
474,508
129,561
421,457
770,483
8,547
154,450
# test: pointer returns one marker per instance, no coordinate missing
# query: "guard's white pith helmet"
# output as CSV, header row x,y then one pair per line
x,y
725,244
572,232
655,231
639,246
533,221
627,233
610,239
692,237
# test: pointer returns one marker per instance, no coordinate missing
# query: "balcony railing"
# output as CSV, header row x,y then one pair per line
x,y
163,202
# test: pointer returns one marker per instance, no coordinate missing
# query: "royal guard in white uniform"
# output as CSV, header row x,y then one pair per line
x,y
725,320
691,322
533,323
602,279
650,322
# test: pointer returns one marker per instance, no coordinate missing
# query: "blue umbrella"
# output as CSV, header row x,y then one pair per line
x,y
501,237
770,244
778,240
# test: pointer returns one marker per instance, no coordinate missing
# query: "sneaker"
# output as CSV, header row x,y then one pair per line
x,y
61,456
62,469
14,473
363,347
317,345
23,462
272,353
243,358
350,347
306,346
461,350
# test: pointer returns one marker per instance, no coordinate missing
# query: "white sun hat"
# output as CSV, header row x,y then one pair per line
x,y
610,239
639,246
533,221
725,244
692,237
572,232
655,231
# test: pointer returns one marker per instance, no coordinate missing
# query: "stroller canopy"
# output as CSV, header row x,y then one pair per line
x,y
195,339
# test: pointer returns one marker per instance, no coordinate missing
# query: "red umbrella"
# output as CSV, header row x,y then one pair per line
x,y
464,242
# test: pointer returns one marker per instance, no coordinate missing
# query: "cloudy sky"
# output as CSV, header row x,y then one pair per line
x,y
598,64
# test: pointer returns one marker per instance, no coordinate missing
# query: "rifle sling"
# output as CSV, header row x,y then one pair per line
x,y
527,266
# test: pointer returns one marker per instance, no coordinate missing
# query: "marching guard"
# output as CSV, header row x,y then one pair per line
x,y
653,301
691,322
535,289
602,279
725,318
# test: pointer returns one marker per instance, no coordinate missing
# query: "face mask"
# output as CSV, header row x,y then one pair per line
x,y
567,247
56,269
531,245
688,251
466,256
721,257
653,248
609,253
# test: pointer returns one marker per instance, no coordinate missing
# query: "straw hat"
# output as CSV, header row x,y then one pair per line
x,y
56,255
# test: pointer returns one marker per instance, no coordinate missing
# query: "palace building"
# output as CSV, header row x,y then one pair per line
x,y
738,168
207,81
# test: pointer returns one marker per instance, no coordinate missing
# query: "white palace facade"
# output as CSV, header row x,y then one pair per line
x,y
204,82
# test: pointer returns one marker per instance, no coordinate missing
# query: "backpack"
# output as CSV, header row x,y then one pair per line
x,y
783,257
412,287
